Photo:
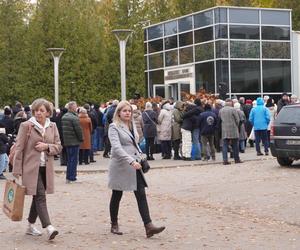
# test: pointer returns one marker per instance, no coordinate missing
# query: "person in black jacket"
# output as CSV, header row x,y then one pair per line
x,y
150,129
109,114
7,121
92,115
190,131
208,125
63,153
186,132
282,102
3,151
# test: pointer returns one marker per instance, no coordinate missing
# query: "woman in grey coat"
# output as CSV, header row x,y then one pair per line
x,y
125,172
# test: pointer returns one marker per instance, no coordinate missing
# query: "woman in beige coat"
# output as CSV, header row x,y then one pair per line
x,y
37,142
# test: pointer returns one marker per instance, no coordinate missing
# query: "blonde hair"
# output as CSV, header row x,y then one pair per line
x,y
41,102
116,119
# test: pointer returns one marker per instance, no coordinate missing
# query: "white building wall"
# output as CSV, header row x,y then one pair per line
x,y
296,63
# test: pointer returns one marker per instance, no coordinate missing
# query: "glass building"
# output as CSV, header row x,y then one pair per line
x,y
242,51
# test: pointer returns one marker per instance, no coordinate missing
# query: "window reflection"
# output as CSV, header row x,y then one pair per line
x,y
155,32
203,19
221,49
204,51
205,77
244,32
275,33
220,15
275,17
186,55
244,49
171,58
245,76
204,35
276,50
156,77
155,46
221,31
171,42
276,76
243,16
156,61
185,24
185,39
170,28
222,72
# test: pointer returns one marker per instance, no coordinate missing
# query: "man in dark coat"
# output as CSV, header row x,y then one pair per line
x,y
149,117
230,121
282,102
72,134
94,120
207,124
190,118
8,121
63,153
109,114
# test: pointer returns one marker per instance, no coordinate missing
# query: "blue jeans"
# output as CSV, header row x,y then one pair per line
x,y
72,155
261,135
196,144
3,162
101,138
235,148
242,145
95,140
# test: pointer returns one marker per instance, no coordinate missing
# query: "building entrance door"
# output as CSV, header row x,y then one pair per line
x,y
176,90
159,90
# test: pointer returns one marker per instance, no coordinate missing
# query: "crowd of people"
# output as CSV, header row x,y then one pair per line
x,y
181,130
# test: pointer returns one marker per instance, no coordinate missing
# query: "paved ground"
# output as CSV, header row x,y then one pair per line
x,y
254,205
101,165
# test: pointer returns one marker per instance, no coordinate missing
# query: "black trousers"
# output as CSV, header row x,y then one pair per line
x,y
176,145
166,148
107,145
149,146
141,199
39,205
84,156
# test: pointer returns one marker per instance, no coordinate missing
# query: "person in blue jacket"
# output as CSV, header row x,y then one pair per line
x,y
260,118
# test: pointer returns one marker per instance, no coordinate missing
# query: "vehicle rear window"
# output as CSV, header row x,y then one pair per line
x,y
290,115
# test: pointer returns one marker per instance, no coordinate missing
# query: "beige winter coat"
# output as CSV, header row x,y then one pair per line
x,y
27,158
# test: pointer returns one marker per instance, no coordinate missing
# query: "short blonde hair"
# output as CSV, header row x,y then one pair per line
x,y
117,120
82,111
41,102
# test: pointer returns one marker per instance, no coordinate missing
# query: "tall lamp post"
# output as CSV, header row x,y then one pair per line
x,y
122,36
56,54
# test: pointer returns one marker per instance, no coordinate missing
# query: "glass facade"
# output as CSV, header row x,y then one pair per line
x,y
248,49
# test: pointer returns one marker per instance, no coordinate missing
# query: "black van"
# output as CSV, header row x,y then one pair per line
x,y
285,135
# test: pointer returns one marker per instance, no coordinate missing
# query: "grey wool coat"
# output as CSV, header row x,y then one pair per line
x,y
230,122
121,175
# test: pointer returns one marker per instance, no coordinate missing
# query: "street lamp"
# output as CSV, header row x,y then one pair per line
x,y
56,54
122,37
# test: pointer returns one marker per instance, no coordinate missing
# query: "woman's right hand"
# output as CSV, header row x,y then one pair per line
x,y
16,175
136,165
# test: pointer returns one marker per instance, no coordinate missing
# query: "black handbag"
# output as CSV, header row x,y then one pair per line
x,y
144,163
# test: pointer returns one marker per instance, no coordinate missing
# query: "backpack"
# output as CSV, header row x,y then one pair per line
x,y
13,147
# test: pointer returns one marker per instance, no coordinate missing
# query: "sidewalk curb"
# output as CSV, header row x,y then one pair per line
x,y
90,171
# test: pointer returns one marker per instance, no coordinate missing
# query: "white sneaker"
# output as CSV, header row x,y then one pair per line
x,y
31,230
52,232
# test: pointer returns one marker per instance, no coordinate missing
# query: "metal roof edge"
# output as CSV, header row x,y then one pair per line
x,y
215,7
